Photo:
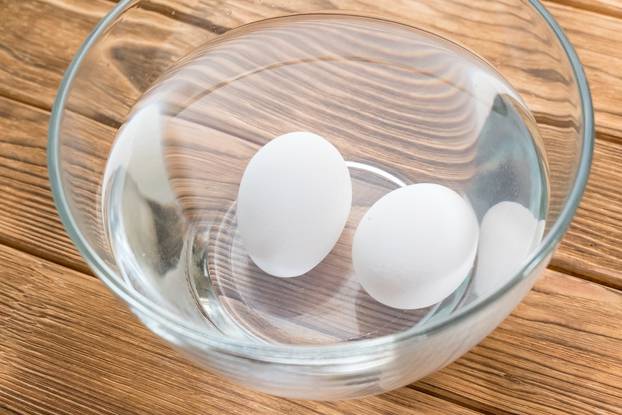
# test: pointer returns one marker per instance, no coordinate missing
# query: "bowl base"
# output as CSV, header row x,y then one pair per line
x,y
324,306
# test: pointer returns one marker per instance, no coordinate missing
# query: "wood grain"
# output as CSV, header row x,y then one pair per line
x,y
29,57
596,38
562,341
609,7
70,347
33,59
37,41
591,247
30,221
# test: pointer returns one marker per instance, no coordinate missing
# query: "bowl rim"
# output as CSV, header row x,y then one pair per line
x,y
304,354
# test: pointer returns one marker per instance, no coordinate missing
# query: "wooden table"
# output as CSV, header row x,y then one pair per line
x,y
67,346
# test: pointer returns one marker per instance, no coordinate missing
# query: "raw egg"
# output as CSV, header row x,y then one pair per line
x,y
293,203
508,235
415,246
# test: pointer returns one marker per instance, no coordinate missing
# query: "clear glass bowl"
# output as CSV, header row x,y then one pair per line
x,y
139,40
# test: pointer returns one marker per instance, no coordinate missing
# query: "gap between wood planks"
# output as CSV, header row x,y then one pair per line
x,y
460,400
587,277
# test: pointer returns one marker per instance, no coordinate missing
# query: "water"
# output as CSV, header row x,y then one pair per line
x,y
403,106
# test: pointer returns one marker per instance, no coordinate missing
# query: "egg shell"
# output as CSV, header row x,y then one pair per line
x,y
509,233
293,203
415,246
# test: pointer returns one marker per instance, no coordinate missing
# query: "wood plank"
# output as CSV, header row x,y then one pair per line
x,y
33,66
560,352
480,389
32,62
590,248
69,346
597,37
30,221
610,7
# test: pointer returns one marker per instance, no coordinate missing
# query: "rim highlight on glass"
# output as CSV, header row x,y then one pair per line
x,y
297,353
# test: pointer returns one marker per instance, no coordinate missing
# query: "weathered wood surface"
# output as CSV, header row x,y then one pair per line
x,y
29,56
69,347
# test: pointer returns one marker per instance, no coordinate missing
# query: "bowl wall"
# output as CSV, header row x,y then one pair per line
x,y
140,40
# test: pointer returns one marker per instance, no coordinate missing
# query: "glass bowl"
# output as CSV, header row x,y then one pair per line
x,y
139,41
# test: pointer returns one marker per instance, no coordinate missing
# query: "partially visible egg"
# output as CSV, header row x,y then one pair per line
x,y
415,246
293,203
508,235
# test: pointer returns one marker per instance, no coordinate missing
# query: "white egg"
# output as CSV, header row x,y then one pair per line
x,y
415,246
508,234
293,203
